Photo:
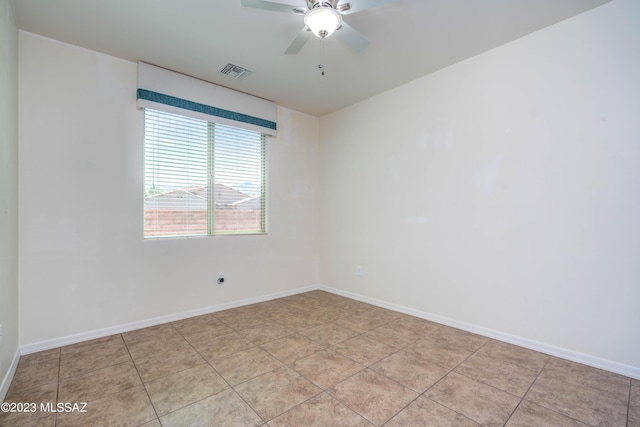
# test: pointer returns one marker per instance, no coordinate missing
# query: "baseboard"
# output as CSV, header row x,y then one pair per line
x,y
563,353
85,336
596,362
6,381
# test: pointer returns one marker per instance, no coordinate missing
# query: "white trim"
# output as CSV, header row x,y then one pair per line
x,y
563,353
99,333
6,381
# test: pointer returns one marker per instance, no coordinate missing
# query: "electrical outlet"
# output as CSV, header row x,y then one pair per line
x,y
359,270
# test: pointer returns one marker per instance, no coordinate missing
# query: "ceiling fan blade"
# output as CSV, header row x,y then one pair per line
x,y
267,5
360,5
352,37
298,42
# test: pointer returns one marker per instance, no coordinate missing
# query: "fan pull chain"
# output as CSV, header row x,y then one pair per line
x,y
321,65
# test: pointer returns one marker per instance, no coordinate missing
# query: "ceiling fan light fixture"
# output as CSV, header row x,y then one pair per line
x,y
323,21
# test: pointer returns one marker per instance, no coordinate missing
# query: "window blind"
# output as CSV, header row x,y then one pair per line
x,y
202,178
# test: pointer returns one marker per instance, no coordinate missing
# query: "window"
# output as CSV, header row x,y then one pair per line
x,y
201,178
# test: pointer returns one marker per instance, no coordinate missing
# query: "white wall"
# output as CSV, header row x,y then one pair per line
x,y
84,265
8,191
502,192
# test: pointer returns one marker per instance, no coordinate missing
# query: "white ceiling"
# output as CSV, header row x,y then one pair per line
x,y
409,38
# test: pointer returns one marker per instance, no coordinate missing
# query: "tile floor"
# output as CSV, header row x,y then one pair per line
x,y
313,359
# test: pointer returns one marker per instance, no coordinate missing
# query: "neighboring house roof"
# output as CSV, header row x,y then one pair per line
x,y
195,198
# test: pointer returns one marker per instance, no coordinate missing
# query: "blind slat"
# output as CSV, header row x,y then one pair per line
x,y
202,178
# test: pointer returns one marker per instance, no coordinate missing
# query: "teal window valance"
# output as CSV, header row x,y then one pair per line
x,y
166,90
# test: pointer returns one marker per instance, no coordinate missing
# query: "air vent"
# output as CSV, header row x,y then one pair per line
x,y
235,71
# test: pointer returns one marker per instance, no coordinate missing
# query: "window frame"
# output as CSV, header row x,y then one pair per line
x,y
210,182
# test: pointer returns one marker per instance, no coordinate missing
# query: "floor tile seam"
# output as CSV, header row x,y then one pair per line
x,y
507,362
137,343
229,386
237,329
424,393
198,343
24,361
526,394
226,388
29,366
467,416
285,336
4,416
284,363
113,394
326,346
260,344
202,356
159,325
330,396
595,389
29,389
198,401
55,417
405,406
391,345
262,375
332,385
144,386
588,367
629,401
104,396
527,399
176,371
74,375
440,342
57,381
295,406
250,348
421,395
135,354
83,356
368,368
348,406
455,410
14,384
527,391
198,327
458,346
253,409
455,369
489,385
193,343
60,380
360,363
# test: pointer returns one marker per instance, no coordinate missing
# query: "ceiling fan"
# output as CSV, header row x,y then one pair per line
x,y
322,18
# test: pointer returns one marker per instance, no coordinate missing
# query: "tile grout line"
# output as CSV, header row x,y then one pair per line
x,y
539,403
207,362
527,392
368,367
155,411
289,366
629,401
445,375
55,418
